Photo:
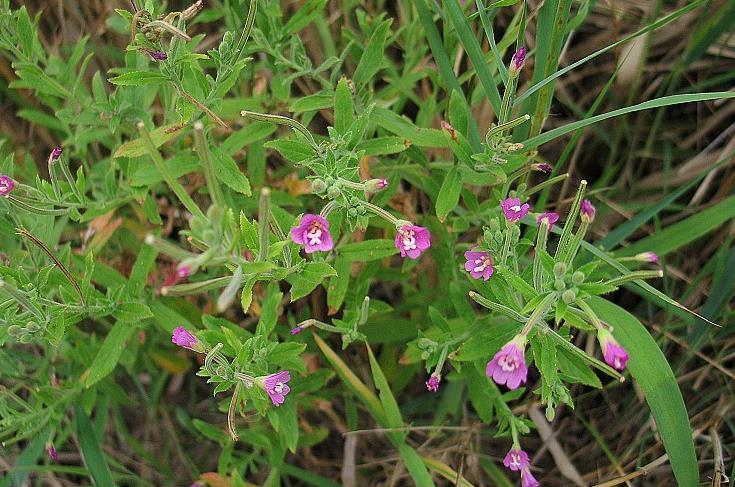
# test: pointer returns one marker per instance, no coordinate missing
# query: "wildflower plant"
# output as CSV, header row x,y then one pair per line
x,y
216,212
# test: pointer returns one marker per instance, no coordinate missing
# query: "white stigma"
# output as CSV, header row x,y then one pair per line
x,y
516,208
409,240
314,234
515,460
507,363
481,264
278,388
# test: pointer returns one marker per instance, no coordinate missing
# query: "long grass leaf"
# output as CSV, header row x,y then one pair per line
x,y
652,373
91,451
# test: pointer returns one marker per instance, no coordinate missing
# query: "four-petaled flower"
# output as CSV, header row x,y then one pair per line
x,y
6,185
516,459
479,264
276,385
432,385
183,338
614,354
514,210
313,233
508,366
588,211
551,216
412,240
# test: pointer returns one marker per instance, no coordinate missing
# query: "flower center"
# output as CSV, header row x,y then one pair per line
x,y
314,234
508,363
409,239
617,363
278,388
515,460
516,208
481,264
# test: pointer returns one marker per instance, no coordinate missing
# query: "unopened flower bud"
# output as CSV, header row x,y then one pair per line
x,y
333,192
375,185
560,268
588,211
569,296
352,212
55,154
318,186
6,185
543,167
517,62
578,278
559,284
651,257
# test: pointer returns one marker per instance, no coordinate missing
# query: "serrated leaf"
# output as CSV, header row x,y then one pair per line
x,y
309,278
138,78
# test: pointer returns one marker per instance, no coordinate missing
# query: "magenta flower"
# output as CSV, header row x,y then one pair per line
x,y
276,385
614,354
155,55
588,211
651,257
375,185
508,366
296,330
527,479
313,233
55,154
412,240
516,460
518,60
6,185
551,216
183,338
479,264
514,210
183,271
51,451
544,167
432,385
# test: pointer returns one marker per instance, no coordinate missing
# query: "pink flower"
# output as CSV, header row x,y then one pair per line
x,y
276,386
544,167
615,355
412,240
183,338
588,211
479,264
551,216
516,460
313,233
296,330
51,450
508,366
527,479
375,185
6,185
518,60
156,55
651,257
432,385
513,209
183,271
55,154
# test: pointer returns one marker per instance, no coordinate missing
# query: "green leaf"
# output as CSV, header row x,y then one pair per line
x,y
654,376
368,250
109,353
646,105
138,78
344,110
90,449
448,194
253,132
681,233
132,312
390,406
373,56
305,14
227,171
137,148
309,278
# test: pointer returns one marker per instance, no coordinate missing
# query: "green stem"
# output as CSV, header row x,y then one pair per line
x,y
547,183
538,313
168,176
566,233
215,191
263,226
634,276
538,268
290,122
499,308
70,179
380,212
22,299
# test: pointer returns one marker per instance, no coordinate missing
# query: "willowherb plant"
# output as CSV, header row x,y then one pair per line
x,y
168,214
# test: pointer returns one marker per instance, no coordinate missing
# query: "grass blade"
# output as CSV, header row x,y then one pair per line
x,y
652,373
664,101
90,449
